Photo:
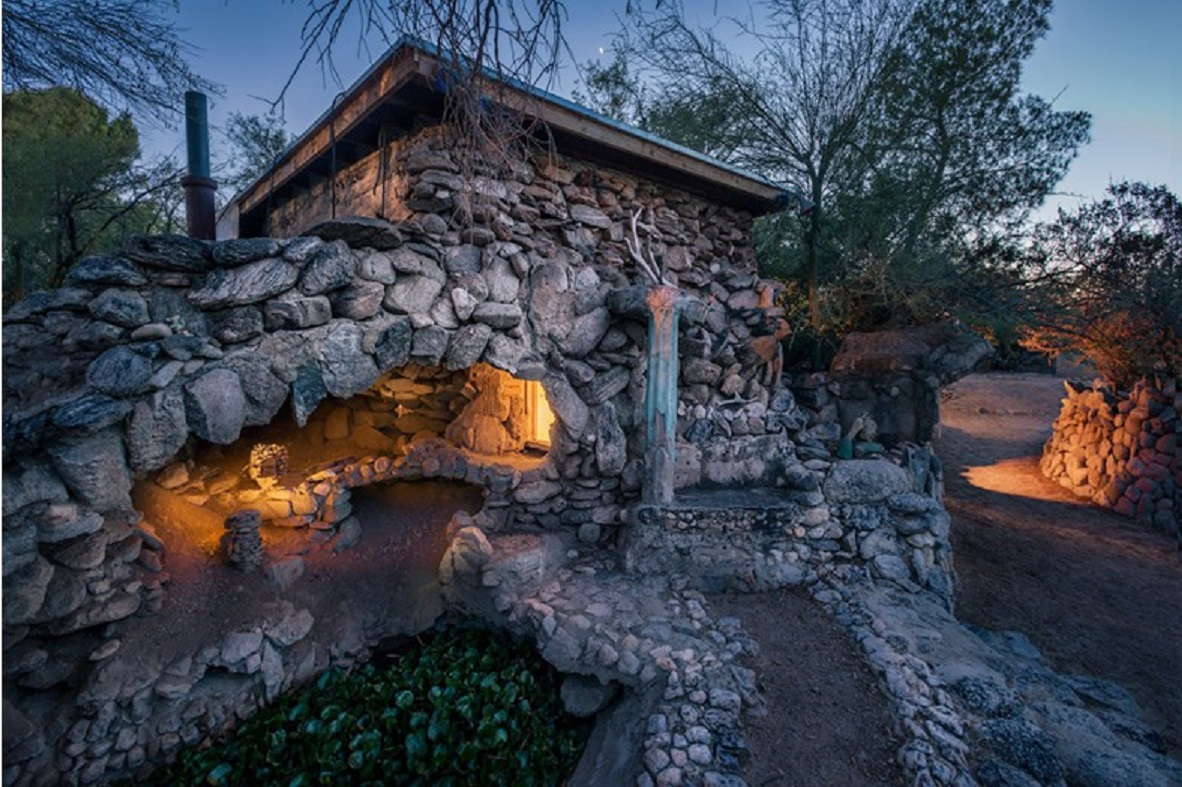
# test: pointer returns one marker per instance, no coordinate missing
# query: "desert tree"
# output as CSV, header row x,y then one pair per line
x,y
1112,286
253,144
902,122
124,54
792,112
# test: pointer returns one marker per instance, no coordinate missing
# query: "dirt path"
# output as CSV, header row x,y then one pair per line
x,y
827,721
1097,593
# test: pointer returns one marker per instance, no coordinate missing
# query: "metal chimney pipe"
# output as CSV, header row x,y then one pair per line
x,y
199,187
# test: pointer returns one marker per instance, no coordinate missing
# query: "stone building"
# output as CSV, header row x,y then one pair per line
x,y
573,328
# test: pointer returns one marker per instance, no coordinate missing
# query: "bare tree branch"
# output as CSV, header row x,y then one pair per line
x,y
125,54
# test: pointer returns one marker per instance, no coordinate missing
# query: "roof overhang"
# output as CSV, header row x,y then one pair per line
x,y
402,92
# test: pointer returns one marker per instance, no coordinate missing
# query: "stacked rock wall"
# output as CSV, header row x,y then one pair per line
x,y
1120,450
882,514
175,341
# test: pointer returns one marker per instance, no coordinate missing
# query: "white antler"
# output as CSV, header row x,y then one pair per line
x,y
643,257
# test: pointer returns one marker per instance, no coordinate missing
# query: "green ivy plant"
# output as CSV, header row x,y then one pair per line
x,y
472,707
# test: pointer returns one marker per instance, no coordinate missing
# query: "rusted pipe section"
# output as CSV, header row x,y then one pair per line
x,y
199,186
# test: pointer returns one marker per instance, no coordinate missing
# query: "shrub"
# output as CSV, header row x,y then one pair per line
x,y
1114,284
471,707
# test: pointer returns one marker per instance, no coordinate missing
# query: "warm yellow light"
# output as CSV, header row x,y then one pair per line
x,y
539,416
1020,478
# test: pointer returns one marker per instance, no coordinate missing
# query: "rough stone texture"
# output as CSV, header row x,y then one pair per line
x,y
331,267
157,430
250,283
94,470
359,232
215,406
120,371
1120,450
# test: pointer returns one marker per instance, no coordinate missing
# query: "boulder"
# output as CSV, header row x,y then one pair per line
x,y
24,592
565,402
462,259
108,271
429,345
32,482
359,300
236,325
125,308
64,521
239,251
467,345
307,391
265,392
330,268
347,368
94,470
246,284
170,253
90,413
606,385
611,445
503,284
592,217
584,333
215,406
377,266
411,294
292,311
157,430
392,348
120,372
498,315
359,232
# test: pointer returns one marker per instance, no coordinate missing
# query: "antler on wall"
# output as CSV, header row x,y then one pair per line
x,y
643,256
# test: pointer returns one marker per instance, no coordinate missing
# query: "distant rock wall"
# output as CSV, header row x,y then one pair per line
x,y
1120,450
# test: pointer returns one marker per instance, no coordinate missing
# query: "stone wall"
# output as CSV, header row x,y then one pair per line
x,y
175,343
882,514
1120,450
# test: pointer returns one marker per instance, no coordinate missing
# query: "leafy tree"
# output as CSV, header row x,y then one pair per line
x,y
72,186
254,143
1112,286
900,120
793,113
126,54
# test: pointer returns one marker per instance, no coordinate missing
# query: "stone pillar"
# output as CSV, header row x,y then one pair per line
x,y
242,543
660,395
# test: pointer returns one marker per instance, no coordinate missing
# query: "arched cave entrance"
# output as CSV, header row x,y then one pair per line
x,y
419,444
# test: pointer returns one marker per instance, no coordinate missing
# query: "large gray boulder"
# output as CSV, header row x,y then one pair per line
x,y
215,406
94,470
330,268
157,430
347,368
246,284
120,372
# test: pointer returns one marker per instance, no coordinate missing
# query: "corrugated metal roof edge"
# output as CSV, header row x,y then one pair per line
x,y
786,198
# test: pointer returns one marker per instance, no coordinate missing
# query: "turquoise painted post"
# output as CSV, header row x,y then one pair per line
x,y
660,395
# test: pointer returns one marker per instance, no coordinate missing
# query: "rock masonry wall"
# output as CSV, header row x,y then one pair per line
x,y
109,378
1120,450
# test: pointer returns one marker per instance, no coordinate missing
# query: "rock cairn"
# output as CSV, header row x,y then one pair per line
x,y
1120,450
243,544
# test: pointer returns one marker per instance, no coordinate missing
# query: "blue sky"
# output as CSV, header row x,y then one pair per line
x,y
1117,59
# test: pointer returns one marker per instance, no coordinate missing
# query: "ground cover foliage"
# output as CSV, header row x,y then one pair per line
x,y
472,706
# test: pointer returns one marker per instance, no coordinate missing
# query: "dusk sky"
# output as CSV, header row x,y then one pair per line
x,y
1117,60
